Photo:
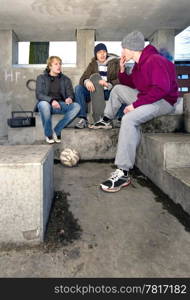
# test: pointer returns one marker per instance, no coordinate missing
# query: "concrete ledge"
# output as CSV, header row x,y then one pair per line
x,y
179,179
159,156
91,144
26,192
164,124
31,135
186,105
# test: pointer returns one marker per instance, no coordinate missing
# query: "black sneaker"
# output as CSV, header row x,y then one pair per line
x,y
101,124
116,181
82,123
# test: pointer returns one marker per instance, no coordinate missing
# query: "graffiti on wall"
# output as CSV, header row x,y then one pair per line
x,y
16,76
31,84
13,76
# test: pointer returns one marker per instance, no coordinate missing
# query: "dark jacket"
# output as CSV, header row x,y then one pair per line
x,y
113,69
43,84
154,77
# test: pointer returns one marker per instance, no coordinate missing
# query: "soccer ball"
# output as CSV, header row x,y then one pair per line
x,y
69,157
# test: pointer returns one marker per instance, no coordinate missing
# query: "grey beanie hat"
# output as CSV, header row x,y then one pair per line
x,y
133,41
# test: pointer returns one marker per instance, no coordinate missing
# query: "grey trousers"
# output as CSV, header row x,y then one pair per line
x,y
130,134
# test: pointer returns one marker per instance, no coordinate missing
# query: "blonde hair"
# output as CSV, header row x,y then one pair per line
x,y
50,59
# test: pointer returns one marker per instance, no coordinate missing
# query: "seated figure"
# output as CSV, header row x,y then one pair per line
x,y
96,84
54,94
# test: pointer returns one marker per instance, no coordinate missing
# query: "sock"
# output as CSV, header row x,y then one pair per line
x,y
106,119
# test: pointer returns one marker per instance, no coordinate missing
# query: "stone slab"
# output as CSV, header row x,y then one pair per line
x,y
27,188
159,156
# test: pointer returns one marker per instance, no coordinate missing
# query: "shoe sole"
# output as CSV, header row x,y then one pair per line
x,y
100,127
114,190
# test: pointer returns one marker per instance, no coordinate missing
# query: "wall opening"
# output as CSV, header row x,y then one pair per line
x,y
67,51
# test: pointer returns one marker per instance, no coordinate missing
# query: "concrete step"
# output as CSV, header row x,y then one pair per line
x,y
179,180
165,159
31,135
4,140
90,143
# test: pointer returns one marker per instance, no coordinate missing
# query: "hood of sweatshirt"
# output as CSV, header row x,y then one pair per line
x,y
146,53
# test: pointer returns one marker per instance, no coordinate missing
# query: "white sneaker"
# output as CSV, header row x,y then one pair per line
x,y
116,181
56,138
49,140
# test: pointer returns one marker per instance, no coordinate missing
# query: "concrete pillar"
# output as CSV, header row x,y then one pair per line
x,y
186,108
85,46
9,48
165,39
9,56
14,48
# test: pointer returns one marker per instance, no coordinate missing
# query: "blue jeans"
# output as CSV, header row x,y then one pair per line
x,y
82,96
46,110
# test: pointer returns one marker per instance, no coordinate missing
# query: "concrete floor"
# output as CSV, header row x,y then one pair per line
x,y
127,234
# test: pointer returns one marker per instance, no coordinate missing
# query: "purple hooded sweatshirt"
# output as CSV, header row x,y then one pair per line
x,y
154,77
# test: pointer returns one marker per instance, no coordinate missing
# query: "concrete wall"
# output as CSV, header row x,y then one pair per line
x,y
186,106
164,39
17,81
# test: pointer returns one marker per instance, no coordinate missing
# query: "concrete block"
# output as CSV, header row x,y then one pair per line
x,y
186,105
91,144
164,124
22,136
180,179
26,175
158,155
4,111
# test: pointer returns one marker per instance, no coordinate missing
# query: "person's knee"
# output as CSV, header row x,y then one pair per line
x,y
116,89
44,106
78,88
80,93
120,89
76,107
128,119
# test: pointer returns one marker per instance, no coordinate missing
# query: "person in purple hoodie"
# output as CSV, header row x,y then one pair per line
x,y
150,91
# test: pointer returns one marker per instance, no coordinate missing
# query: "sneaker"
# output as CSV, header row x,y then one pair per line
x,y
101,124
116,181
49,140
82,123
57,138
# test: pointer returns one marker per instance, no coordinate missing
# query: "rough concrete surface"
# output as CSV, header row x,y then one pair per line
x,y
157,154
26,178
43,20
127,234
